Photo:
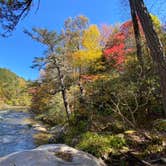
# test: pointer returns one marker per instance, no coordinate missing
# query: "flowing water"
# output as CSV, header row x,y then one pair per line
x,y
16,132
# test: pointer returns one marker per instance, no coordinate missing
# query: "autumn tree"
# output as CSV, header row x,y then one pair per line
x,y
116,48
54,61
91,49
154,44
73,34
40,96
89,52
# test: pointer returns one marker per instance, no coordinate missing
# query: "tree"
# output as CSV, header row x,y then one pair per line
x,y
73,31
137,35
88,53
13,89
116,49
91,49
11,11
53,62
73,34
154,44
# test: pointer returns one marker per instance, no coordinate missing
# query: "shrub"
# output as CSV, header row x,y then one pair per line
x,y
160,124
76,129
99,145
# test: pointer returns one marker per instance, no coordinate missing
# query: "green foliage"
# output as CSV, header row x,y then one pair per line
x,y
13,89
100,145
102,97
77,127
160,124
128,94
153,149
53,113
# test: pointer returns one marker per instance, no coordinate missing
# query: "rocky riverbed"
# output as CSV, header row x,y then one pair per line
x,y
19,137
17,130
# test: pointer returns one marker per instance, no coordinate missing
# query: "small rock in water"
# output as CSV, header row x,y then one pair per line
x,y
1,118
6,139
39,128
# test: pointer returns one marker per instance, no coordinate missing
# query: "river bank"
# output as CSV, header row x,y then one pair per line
x,y
20,131
9,107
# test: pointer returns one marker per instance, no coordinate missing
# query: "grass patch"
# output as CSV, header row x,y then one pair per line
x,y
100,145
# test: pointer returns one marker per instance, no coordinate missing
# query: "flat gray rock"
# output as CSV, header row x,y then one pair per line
x,y
51,155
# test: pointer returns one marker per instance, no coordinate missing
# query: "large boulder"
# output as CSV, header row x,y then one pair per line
x,y
51,155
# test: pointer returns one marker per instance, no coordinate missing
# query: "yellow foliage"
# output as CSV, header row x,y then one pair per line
x,y
22,82
91,47
130,59
91,38
130,132
156,22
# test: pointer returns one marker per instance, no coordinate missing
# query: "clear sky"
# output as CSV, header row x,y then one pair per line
x,y
17,52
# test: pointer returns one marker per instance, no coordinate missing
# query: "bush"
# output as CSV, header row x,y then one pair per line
x,y
76,129
54,113
160,124
99,145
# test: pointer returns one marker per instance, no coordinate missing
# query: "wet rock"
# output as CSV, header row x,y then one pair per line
x,y
1,118
58,129
58,133
58,138
51,155
75,141
39,128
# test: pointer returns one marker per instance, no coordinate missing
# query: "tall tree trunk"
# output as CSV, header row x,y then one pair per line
x,y
137,35
81,88
64,94
154,44
63,87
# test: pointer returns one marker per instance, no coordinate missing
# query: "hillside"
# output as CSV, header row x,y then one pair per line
x,y
13,89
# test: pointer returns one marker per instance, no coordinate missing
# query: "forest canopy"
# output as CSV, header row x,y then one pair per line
x,y
13,89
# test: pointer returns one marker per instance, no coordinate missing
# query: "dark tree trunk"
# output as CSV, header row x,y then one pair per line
x,y
137,35
154,44
81,89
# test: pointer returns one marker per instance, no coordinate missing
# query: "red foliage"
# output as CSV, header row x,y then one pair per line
x,y
119,37
127,28
116,48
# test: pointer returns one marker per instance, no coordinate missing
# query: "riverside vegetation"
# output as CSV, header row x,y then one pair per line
x,y
101,89
97,94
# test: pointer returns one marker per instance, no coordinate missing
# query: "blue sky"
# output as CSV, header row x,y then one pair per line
x,y
18,51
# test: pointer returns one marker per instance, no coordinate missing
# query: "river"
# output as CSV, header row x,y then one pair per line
x,y
16,132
